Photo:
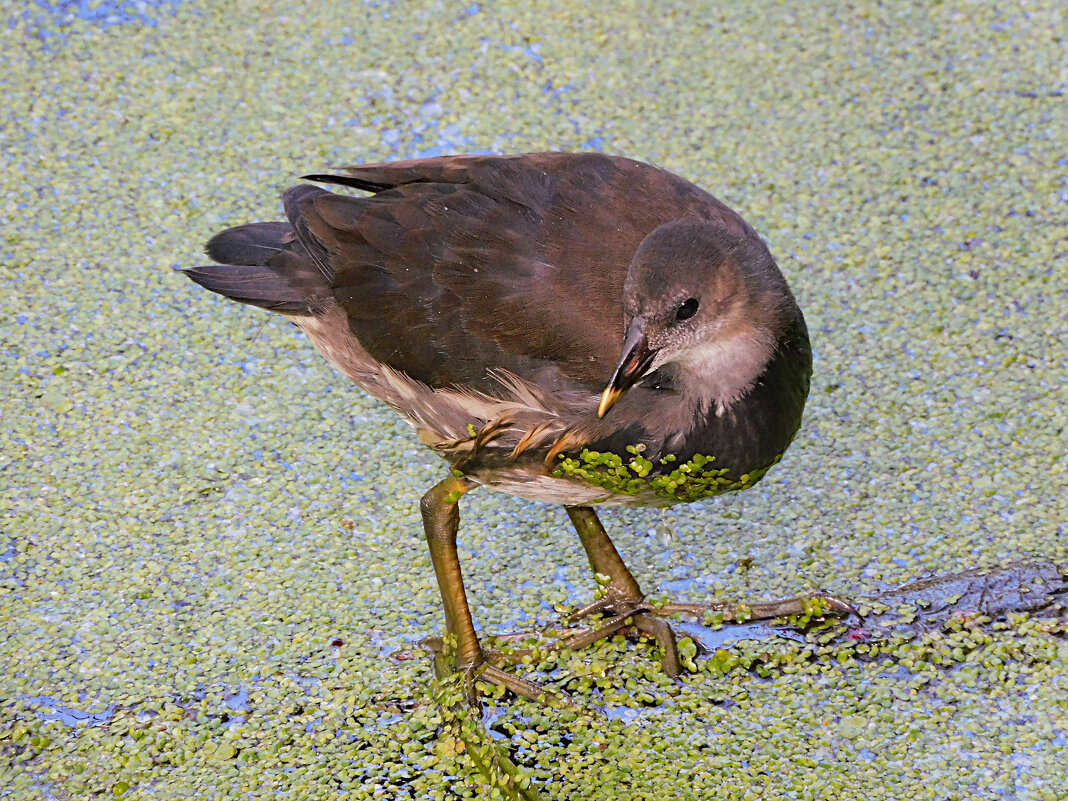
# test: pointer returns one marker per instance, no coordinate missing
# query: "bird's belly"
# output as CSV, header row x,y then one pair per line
x,y
567,491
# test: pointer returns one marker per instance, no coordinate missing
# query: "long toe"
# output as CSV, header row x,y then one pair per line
x,y
636,615
811,607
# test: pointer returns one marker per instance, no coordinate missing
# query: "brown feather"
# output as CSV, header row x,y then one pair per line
x,y
453,265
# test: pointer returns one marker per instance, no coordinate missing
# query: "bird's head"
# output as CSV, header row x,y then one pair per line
x,y
703,302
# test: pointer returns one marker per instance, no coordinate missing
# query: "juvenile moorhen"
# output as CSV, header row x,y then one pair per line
x,y
574,328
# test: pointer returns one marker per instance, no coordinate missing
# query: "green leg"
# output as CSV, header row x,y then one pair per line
x,y
624,597
441,520
604,558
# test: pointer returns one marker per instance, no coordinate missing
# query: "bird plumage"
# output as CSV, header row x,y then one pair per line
x,y
485,293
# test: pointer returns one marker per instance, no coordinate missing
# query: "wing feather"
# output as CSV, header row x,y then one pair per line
x,y
460,266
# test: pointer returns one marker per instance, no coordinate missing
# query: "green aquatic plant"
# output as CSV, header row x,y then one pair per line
x,y
691,481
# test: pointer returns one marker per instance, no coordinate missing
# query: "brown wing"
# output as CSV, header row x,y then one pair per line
x,y
464,264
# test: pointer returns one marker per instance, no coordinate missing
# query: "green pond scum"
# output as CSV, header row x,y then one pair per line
x,y
213,577
693,480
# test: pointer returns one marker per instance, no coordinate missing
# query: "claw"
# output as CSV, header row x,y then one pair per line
x,y
738,613
591,636
665,635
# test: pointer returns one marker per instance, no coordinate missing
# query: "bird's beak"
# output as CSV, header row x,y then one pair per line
x,y
636,359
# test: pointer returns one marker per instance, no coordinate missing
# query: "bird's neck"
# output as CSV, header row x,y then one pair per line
x,y
748,421
744,416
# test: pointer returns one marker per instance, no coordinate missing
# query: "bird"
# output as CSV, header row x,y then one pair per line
x,y
581,329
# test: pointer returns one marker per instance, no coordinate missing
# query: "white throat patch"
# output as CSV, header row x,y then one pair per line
x,y
722,371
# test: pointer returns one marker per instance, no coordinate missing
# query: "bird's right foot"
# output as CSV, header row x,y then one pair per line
x,y
487,670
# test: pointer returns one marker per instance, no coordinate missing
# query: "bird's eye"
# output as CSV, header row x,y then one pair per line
x,y
687,310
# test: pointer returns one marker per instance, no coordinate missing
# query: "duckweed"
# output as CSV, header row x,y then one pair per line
x,y
210,544
694,480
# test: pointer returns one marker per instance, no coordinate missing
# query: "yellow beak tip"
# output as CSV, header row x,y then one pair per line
x,y
608,400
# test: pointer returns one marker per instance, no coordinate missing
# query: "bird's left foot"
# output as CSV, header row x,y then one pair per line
x,y
627,607
622,612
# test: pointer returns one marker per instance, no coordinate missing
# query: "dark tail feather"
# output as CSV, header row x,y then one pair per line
x,y
279,266
250,245
255,285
